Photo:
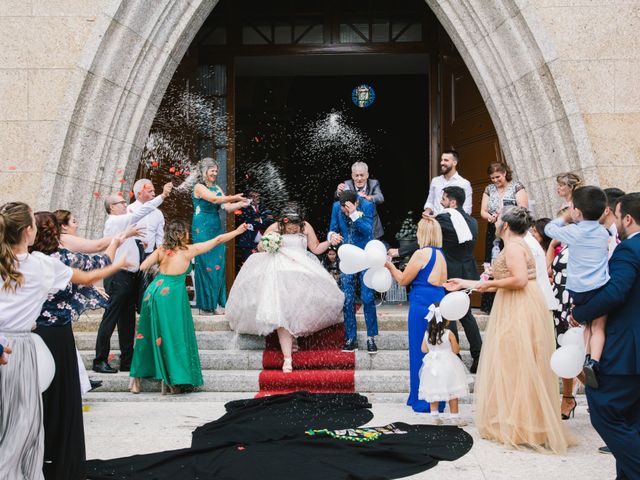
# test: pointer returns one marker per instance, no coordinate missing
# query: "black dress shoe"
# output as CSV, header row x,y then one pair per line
x,y
371,346
104,367
604,449
95,384
350,345
474,366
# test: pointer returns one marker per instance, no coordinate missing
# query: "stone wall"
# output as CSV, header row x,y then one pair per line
x,y
80,81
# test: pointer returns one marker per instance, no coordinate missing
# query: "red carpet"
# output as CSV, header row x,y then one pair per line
x,y
319,366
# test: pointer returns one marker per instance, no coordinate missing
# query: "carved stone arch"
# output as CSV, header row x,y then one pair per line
x,y
136,47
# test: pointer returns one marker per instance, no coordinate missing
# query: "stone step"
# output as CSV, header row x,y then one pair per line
x,y
226,340
225,381
208,397
252,360
212,323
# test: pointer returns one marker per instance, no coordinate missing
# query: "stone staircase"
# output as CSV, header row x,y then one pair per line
x,y
232,363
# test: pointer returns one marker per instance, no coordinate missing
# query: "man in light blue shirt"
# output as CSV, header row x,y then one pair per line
x,y
587,269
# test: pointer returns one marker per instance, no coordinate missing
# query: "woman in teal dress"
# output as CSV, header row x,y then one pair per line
x,y
208,199
166,347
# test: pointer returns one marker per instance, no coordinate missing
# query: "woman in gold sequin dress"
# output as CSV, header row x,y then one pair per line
x,y
516,392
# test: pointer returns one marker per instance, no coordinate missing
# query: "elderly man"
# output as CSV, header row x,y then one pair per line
x,y
152,225
366,188
121,286
449,178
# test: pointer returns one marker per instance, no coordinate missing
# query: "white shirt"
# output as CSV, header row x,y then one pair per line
x,y
116,224
439,183
42,275
153,225
541,271
613,238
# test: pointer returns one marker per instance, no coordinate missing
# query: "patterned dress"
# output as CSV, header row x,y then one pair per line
x,y
210,283
559,268
64,449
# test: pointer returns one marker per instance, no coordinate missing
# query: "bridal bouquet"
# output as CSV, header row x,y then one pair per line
x,y
271,242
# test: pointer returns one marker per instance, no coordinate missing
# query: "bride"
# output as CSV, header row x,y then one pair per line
x,y
288,291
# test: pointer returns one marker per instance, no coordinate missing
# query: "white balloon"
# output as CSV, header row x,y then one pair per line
x,y
381,279
375,244
560,339
45,363
352,259
375,257
454,305
574,336
368,275
567,361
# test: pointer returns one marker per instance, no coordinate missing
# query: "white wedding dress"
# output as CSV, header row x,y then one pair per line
x,y
289,289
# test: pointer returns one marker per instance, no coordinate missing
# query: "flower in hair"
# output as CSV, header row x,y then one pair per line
x,y
285,220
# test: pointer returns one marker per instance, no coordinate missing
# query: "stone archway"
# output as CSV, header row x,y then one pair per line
x,y
137,46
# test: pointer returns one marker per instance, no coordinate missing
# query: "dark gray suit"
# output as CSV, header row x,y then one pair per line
x,y
372,188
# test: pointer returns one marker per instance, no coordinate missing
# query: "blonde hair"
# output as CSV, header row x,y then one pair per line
x,y
14,218
429,233
570,179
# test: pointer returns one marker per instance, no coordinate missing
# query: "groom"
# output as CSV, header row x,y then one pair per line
x,y
352,223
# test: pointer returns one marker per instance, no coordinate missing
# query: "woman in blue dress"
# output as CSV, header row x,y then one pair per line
x,y
425,272
208,200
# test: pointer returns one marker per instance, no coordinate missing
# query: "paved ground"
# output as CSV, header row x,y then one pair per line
x,y
151,424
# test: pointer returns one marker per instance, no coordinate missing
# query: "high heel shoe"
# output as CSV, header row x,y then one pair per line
x,y
287,365
134,385
572,412
166,389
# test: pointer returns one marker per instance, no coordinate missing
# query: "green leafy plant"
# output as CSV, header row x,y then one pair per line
x,y
408,228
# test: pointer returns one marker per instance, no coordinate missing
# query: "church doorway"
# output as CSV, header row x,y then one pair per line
x,y
261,81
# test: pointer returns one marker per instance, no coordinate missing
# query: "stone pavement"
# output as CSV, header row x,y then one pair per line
x,y
151,424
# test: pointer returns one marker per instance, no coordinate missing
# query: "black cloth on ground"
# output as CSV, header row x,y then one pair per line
x,y
298,436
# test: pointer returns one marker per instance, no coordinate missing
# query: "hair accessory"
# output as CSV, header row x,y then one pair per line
x,y
285,220
434,312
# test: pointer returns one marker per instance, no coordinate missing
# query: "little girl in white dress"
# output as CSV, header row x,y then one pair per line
x,y
442,376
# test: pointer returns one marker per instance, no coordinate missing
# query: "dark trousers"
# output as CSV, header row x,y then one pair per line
x,y
122,290
472,332
615,414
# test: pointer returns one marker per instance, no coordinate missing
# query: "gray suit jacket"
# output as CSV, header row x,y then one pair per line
x,y
372,188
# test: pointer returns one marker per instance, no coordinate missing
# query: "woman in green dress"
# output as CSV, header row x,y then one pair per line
x,y
166,347
208,199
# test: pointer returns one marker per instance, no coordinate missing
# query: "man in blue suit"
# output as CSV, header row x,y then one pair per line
x,y
352,220
615,404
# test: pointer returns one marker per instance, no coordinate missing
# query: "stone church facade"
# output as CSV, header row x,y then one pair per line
x,y
81,81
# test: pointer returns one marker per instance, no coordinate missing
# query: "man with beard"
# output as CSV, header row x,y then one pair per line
x,y
449,178
615,405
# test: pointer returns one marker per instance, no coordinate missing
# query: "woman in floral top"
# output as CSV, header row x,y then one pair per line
x,y
502,192
64,451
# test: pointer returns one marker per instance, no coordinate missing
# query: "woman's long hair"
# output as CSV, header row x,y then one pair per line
x,y
48,237
14,218
570,179
176,235
436,330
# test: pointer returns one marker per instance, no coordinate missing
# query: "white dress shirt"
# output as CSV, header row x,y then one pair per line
x,y
541,271
153,225
116,224
439,183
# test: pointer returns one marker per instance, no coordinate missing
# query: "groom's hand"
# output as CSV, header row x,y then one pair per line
x,y
336,239
349,207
